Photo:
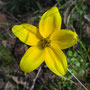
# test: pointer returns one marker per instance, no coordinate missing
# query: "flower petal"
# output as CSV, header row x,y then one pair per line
x,y
50,21
26,33
56,61
32,59
64,38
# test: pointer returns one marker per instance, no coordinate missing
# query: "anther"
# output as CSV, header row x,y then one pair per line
x,y
43,43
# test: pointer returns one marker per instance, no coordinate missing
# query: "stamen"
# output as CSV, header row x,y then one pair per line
x,y
43,43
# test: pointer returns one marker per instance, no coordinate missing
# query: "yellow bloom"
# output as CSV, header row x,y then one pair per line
x,y
46,43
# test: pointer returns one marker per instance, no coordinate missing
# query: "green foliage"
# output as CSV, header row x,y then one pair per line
x,y
21,6
5,57
40,87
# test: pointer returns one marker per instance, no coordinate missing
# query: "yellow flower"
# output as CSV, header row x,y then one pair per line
x,y
46,43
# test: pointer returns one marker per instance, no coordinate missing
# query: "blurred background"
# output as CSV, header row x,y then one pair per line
x,y
76,17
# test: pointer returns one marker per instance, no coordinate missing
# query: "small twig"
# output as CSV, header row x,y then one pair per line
x,y
66,14
6,87
34,80
68,4
25,81
68,80
77,79
86,17
68,17
10,14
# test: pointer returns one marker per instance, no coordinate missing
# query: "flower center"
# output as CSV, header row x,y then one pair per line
x,y
43,43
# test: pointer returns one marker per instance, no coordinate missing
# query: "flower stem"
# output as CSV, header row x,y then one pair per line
x,y
77,79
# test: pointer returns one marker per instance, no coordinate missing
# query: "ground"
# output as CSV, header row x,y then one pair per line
x,y
75,15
